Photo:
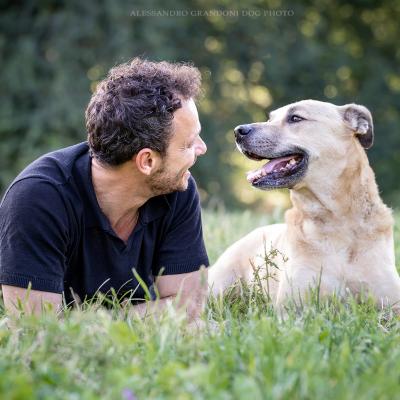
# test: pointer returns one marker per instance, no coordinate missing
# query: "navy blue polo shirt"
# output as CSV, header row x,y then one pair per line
x,y
54,235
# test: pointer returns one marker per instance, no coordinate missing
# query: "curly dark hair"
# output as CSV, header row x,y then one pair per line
x,y
133,108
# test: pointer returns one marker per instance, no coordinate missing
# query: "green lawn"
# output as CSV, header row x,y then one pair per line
x,y
330,351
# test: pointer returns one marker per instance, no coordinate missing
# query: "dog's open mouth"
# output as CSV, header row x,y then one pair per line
x,y
283,171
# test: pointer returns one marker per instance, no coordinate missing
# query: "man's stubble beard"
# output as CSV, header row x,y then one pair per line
x,y
162,183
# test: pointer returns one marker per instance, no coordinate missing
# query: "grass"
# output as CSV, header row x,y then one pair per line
x,y
331,351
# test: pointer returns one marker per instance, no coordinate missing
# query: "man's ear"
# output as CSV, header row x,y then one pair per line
x,y
147,161
359,120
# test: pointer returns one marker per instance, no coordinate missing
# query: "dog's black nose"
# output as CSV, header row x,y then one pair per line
x,y
242,130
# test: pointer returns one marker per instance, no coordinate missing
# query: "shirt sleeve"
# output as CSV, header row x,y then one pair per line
x,y
33,236
182,249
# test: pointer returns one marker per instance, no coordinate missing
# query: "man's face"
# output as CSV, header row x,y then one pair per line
x,y
184,147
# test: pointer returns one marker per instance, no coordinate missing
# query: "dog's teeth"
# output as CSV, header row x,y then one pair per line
x,y
292,161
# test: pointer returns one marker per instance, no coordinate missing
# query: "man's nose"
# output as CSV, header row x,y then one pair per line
x,y
242,130
201,148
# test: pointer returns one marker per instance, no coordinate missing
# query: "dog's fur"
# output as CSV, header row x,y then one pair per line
x,y
339,234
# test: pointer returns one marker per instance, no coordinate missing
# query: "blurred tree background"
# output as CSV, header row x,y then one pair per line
x,y
258,56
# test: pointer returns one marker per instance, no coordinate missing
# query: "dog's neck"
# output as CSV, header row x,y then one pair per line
x,y
349,195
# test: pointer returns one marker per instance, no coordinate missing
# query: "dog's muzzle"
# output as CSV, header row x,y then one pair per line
x,y
285,167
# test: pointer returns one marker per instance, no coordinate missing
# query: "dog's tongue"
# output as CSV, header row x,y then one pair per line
x,y
275,164
270,166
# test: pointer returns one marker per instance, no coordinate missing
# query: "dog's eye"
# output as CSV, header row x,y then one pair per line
x,y
295,118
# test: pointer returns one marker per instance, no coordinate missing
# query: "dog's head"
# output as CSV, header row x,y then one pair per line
x,y
302,139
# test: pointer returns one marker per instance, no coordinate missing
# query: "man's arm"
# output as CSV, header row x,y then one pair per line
x,y
33,245
32,301
188,291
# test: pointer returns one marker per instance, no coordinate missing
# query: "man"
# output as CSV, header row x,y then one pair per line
x,y
122,208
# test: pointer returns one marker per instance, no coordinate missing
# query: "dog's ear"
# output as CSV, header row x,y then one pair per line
x,y
359,120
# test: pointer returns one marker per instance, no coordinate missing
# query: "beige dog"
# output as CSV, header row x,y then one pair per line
x,y
339,234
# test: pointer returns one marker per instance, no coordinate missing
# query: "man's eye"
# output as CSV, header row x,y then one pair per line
x,y
295,118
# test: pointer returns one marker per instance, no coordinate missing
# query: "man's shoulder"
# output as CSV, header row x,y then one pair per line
x,y
55,166
46,175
